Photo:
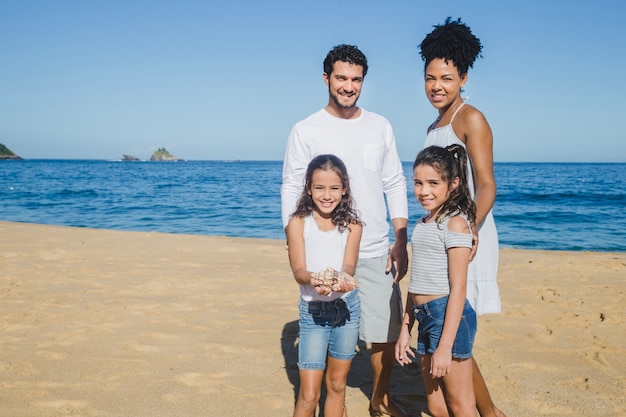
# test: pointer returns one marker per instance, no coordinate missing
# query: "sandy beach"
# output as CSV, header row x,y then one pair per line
x,y
108,323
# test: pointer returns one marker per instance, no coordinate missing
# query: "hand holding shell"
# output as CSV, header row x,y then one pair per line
x,y
329,280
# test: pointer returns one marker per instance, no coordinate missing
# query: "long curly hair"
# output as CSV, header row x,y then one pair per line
x,y
450,162
345,53
344,214
451,41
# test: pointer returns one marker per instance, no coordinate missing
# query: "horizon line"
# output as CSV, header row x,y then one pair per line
x,y
278,160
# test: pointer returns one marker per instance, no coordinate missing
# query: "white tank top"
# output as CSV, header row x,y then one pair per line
x,y
444,136
323,249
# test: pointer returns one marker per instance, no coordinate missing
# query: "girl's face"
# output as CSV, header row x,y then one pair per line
x,y
443,83
326,191
430,189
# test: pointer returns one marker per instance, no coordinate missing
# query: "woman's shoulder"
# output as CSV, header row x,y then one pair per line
x,y
470,114
471,123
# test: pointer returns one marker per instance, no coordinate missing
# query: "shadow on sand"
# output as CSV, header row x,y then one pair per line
x,y
407,386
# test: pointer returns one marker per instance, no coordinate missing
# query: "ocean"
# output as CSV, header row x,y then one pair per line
x,y
550,206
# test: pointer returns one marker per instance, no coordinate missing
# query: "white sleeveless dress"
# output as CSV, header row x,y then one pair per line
x,y
482,288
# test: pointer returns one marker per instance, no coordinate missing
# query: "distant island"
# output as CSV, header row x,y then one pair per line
x,y
159,155
130,158
6,153
162,154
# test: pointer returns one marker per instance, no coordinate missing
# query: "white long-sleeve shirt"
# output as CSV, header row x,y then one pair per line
x,y
367,146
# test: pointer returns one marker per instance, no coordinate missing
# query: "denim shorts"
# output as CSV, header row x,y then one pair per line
x,y
328,328
431,316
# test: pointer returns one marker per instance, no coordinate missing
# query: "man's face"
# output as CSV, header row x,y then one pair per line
x,y
344,84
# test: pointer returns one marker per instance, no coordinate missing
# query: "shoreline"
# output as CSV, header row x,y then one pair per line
x,y
99,322
502,248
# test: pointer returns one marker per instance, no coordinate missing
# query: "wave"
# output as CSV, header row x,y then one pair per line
x,y
575,207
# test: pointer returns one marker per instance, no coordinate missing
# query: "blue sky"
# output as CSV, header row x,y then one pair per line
x,y
228,79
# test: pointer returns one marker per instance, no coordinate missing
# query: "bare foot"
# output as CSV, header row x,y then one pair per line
x,y
498,412
392,409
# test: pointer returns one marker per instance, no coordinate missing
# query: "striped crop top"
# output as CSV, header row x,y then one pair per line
x,y
429,264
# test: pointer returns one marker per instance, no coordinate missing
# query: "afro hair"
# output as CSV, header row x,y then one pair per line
x,y
452,41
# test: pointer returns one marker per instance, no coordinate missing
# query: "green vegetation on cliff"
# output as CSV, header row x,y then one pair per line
x,y
162,154
6,153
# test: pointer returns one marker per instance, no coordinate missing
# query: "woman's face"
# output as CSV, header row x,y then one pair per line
x,y
443,83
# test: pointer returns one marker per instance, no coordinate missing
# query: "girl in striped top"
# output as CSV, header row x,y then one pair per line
x,y
441,245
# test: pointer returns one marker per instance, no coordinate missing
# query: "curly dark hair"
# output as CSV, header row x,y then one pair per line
x,y
345,213
452,41
345,53
450,162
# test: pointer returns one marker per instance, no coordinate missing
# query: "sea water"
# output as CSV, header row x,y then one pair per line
x,y
553,206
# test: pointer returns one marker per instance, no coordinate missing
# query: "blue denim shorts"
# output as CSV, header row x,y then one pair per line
x,y
328,328
431,316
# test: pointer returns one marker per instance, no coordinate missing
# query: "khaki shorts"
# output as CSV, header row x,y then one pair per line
x,y
381,301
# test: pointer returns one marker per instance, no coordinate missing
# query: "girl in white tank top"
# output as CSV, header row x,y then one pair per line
x,y
323,237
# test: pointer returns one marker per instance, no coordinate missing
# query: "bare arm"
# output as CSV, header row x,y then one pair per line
x,y
458,261
296,250
346,281
479,142
351,253
399,255
403,352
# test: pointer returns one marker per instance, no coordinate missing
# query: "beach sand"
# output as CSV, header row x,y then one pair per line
x,y
108,323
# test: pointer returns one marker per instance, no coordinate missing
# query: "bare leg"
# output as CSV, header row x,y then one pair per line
x,y
336,380
382,360
437,406
459,391
452,394
484,403
309,394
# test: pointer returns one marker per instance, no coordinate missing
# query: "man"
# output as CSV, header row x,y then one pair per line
x,y
366,144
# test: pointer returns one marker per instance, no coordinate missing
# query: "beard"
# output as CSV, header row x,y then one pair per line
x,y
346,104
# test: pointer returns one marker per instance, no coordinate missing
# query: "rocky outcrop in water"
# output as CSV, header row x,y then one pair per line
x,y
130,158
162,154
6,153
